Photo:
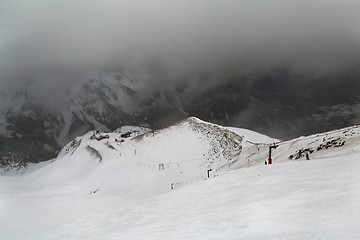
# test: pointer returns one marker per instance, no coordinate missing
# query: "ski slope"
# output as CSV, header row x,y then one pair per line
x,y
145,163
113,188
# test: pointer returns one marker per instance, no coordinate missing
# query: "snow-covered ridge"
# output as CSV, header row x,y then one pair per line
x,y
138,162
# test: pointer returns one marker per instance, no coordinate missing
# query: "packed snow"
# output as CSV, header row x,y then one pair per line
x,y
137,183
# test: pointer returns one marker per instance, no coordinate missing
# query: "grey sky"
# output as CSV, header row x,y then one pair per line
x,y
45,38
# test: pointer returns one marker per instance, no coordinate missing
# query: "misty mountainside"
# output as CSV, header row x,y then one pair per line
x,y
275,102
35,124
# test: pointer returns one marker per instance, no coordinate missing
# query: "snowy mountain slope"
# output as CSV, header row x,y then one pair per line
x,y
138,164
317,146
91,191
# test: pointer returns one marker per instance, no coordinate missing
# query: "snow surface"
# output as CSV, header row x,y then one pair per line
x,y
94,191
252,136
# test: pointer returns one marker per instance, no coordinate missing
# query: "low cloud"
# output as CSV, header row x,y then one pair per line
x,y
42,39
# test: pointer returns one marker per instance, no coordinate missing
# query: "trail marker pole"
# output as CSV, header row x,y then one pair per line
x,y
208,173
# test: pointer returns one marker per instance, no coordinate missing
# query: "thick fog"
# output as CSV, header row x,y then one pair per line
x,y
51,40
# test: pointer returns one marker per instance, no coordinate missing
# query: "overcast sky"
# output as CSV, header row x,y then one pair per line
x,y
42,39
